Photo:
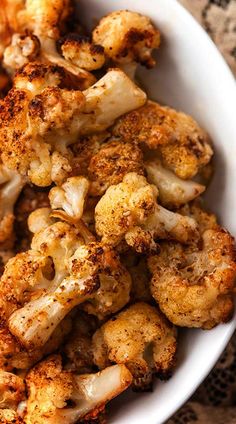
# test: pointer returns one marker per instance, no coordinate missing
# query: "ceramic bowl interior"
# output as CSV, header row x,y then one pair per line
x,y
192,76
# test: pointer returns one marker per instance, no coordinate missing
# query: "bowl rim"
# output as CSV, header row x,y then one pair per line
x,y
186,15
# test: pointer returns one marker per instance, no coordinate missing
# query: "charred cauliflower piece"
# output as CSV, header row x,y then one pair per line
x,y
129,210
182,144
111,163
82,52
128,38
11,184
139,338
46,20
58,396
49,118
12,390
61,273
41,269
114,288
173,191
194,285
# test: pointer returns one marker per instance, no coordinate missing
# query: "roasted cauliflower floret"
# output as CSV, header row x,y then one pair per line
x,y
49,118
113,292
33,271
12,390
173,191
194,285
129,210
9,416
70,197
127,37
47,17
40,219
139,337
182,144
14,356
111,163
82,52
24,48
75,274
46,20
11,184
58,396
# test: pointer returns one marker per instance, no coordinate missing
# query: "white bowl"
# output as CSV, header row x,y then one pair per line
x,y
192,76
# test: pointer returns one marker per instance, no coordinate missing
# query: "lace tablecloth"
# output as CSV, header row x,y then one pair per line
x,y
215,401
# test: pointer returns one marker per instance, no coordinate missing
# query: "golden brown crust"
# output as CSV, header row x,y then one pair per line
x,y
140,338
13,356
194,286
123,206
80,51
183,145
127,36
111,163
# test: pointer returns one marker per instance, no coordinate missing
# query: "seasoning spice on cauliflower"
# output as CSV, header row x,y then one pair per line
x,y
109,165
194,285
82,52
173,191
140,338
13,356
129,210
83,150
58,396
128,38
49,118
184,147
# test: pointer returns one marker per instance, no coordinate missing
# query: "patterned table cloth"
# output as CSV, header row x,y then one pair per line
x,y
215,401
